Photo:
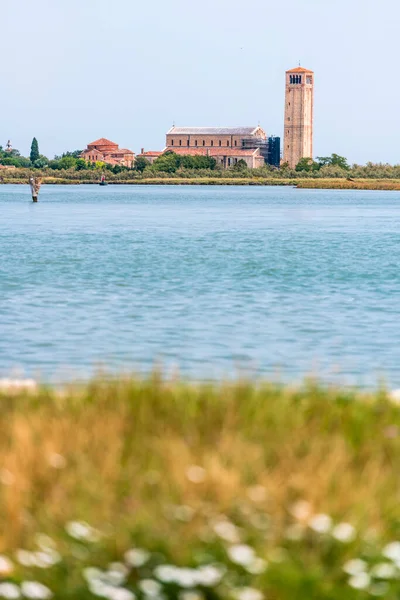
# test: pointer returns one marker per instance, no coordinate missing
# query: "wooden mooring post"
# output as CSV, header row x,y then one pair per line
x,y
35,183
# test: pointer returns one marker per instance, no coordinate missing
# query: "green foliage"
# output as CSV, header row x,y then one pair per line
x,y
334,160
241,165
81,164
307,164
141,164
34,155
41,162
169,162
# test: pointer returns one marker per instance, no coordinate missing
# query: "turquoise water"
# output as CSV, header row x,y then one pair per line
x,y
213,280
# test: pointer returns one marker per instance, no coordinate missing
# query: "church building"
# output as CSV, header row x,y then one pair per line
x,y
227,145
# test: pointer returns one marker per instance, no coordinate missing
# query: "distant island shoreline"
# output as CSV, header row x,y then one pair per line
x,y
300,183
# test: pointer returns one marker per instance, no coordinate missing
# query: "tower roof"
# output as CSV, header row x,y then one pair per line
x,y
299,70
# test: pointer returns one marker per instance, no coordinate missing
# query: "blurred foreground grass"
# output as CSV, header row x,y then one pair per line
x,y
164,490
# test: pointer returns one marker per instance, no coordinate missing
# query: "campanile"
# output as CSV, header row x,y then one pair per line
x,y
299,114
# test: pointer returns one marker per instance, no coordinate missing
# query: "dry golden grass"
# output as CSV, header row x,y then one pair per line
x,y
117,454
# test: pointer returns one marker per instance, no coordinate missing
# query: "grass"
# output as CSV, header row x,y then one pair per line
x,y
305,183
247,491
345,184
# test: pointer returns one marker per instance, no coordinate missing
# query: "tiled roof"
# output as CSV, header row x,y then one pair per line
x,y
212,130
212,151
122,151
102,142
150,153
299,70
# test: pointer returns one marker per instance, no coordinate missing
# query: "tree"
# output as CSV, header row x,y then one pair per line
x,y
307,164
67,162
335,160
34,155
81,164
241,165
141,163
167,163
41,162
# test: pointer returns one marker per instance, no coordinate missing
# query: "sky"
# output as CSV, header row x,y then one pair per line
x,y
72,71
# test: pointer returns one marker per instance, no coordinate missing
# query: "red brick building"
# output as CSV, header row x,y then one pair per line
x,y
104,150
150,155
227,145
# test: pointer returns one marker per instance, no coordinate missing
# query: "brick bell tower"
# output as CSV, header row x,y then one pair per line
x,y
299,114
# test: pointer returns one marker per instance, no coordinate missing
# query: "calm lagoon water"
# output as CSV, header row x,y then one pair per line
x,y
217,281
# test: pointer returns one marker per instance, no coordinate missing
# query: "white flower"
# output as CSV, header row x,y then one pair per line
x,y
392,551
116,574
185,577
209,575
120,594
301,510
360,581
196,474
241,555
384,571
6,566
9,590
149,587
344,532
320,523
355,566
92,574
25,558
257,493
46,558
98,588
136,557
258,566
247,593
34,589
80,530
227,531
165,573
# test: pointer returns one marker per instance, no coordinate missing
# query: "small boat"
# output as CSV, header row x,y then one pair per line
x,y
103,180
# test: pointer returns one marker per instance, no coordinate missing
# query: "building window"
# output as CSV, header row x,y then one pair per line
x,y
204,142
229,162
288,118
195,142
220,143
172,142
227,142
188,143
212,142
235,142
309,79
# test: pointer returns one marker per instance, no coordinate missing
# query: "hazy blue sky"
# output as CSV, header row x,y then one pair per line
x,y
75,70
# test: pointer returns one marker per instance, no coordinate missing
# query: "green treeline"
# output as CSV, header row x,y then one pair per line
x,y
70,166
